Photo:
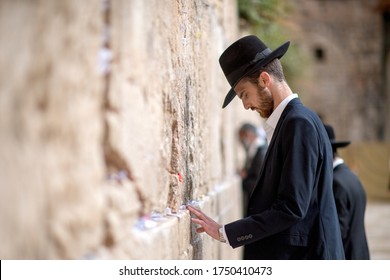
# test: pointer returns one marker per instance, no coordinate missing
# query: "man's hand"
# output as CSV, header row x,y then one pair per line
x,y
207,224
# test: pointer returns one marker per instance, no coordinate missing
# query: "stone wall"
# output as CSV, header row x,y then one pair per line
x,y
342,41
111,121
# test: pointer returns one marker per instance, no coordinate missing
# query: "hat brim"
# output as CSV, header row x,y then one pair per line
x,y
277,53
339,144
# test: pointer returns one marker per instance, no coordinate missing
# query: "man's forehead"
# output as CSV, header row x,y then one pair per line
x,y
240,86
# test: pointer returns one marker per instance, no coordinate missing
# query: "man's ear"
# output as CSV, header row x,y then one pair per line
x,y
264,79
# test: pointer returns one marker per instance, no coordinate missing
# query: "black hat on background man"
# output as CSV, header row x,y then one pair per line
x,y
332,138
245,56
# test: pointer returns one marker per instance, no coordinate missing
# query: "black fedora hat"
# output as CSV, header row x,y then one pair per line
x,y
242,57
332,138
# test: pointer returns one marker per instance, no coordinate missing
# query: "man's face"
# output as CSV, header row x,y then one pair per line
x,y
245,139
255,97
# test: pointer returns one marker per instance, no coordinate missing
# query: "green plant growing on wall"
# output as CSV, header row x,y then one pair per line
x,y
268,19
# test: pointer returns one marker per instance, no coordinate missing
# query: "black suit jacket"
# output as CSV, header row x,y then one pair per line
x,y
350,199
253,169
292,212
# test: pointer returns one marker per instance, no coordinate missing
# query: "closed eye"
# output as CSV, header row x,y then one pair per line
x,y
242,95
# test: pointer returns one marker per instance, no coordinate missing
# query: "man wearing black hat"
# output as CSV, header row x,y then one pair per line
x,y
350,198
291,212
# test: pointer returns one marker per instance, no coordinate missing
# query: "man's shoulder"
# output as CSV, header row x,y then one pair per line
x,y
343,171
295,105
261,149
300,113
297,112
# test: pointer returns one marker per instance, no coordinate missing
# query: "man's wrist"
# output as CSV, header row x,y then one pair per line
x,y
221,236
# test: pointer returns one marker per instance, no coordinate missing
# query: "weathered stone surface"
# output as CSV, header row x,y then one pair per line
x,y
110,113
342,42
51,161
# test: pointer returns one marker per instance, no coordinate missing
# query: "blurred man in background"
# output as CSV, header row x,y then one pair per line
x,y
350,198
255,145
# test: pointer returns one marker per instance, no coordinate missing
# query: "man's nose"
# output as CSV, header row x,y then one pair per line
x,y
246,105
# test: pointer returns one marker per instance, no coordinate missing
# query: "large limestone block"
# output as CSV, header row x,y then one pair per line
x,y
51,161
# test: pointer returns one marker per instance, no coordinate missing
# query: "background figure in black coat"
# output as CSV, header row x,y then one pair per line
x,y
255,146
350,198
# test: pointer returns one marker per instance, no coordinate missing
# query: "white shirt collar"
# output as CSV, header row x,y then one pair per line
x,y
337,161
272,121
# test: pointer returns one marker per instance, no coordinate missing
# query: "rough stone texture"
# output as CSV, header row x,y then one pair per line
x,y
110,112
50,121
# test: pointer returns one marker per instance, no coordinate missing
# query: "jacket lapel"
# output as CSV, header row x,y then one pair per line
x,y
285,112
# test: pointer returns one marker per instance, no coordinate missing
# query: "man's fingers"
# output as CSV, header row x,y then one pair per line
x,y
193,209
206,224
196,212
198,221
201,223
